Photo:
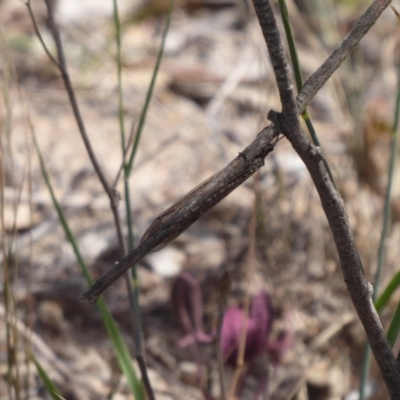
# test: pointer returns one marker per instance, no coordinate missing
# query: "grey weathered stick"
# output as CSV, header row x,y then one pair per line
x,y
325,71
177,218
288,123
253,151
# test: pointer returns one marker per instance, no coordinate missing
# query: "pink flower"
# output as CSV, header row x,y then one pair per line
x,y
258,326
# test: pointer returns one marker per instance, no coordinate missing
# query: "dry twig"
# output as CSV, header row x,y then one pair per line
x,y
112,194
172,222
192,206
288,123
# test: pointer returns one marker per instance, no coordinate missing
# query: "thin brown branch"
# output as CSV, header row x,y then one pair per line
x,y
187,210
177,218
39,35
62,64
348,44
162,231
110,191
288,123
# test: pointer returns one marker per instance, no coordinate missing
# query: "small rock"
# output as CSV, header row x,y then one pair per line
x,y
189,373
167,262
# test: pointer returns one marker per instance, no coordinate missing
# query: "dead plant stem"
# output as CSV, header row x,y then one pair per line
x,y
288,123
194,204
112,194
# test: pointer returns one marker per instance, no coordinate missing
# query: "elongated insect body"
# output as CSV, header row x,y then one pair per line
x,y
178,217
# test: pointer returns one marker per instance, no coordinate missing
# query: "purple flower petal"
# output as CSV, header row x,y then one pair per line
x,y
232,326
262,315
258,326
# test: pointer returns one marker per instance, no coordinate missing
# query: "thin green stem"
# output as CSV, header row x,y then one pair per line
x,y
129,165
117,24
299,78
292,44
365,371
121,120
394,326
387,207
143,114
382,300
133,287
121,350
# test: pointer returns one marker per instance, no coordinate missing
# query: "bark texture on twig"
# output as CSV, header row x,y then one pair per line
x,y
177,218
188,209
288,123
252,152
325,71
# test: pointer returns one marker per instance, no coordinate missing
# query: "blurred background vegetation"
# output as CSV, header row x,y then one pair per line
x,y
211,96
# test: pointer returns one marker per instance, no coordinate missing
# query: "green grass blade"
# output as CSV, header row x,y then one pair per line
x,y
394,327
395,324
50,386
143,114
117,24
292,44
121,350
298,77
367,356
388,196
61,216
384,298
129,165
121,120
124,149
